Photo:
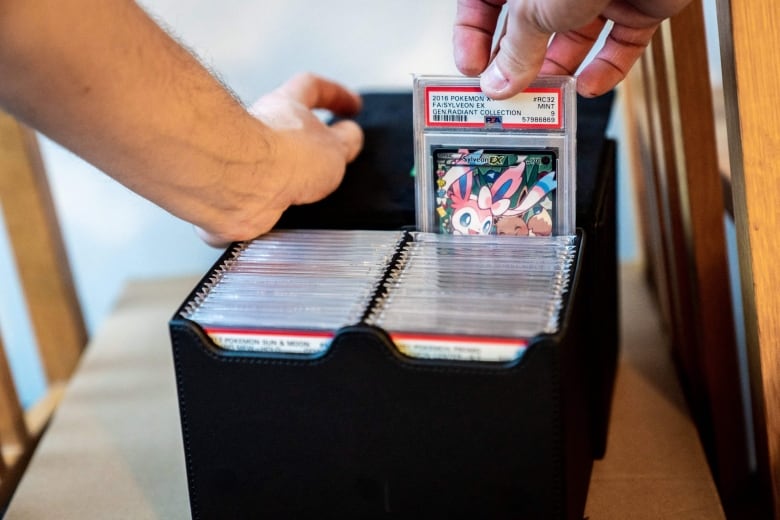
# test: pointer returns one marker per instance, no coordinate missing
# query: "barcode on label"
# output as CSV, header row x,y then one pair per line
x,y
450,119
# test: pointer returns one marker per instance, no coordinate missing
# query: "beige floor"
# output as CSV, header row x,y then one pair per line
x,y
655,467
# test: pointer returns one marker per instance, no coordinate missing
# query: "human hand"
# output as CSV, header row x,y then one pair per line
x,y
523,50
306,159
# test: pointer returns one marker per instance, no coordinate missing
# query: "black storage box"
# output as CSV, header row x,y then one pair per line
x,y
363,430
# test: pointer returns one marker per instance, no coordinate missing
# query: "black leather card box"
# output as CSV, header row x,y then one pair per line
x,y
363,431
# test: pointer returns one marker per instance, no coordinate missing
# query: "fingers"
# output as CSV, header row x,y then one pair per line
x,y
221,240
622,48
518,60
658,9
568,49
315,92
472,35
632,31
521,50
350,135
211,239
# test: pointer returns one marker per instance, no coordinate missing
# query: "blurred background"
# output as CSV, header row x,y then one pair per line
x,y
113,235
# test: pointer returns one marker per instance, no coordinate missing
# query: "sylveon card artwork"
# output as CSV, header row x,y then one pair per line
x,y
494,191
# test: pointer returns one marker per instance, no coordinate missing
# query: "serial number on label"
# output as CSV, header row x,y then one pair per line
x,y
539,119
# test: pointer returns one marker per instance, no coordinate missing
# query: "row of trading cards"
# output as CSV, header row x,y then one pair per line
x,y
289,291
477,298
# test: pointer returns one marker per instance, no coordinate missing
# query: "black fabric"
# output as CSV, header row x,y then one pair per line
x,y
597,216
362,431
378,189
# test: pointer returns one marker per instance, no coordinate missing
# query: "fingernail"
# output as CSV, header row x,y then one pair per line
x,y
493,79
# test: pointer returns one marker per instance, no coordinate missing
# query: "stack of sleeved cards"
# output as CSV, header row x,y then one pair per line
x,y
474,298
289,291
495,167
477,298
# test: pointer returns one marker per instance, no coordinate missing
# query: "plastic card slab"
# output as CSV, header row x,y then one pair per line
x,y
495,167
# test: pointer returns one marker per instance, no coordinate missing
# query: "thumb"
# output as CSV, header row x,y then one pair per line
x,y
518,58
350,136
212,239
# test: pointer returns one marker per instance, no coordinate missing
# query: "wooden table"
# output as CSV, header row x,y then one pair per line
x,y
114,449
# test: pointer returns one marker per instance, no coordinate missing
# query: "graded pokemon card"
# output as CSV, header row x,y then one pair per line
x,y
495,167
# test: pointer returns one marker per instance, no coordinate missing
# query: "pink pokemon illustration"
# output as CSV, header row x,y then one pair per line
x,y
495,192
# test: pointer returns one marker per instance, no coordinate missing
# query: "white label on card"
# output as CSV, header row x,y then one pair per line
x,y
270,341
462,348
468,107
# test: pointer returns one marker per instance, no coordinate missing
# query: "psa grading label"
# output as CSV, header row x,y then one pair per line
x,y
468,107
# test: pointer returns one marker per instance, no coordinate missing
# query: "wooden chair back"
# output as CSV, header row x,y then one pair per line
x,y
681,201
749,35
53,308
683,210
